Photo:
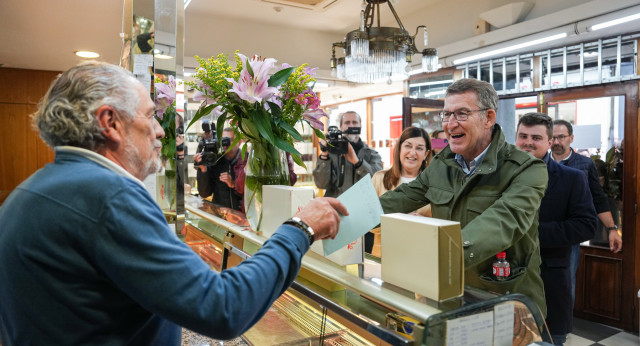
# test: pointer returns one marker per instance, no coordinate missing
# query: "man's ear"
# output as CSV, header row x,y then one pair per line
x,y
491,117
110,124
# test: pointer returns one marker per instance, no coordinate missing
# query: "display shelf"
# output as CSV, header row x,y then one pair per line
x,y
365,310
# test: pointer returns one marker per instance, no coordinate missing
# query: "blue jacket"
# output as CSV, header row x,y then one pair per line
x,y
567,217
88,258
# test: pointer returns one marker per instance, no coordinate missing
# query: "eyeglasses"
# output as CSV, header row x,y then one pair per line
x,y
459,114
559,138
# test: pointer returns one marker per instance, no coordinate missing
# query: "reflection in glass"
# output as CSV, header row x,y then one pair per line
x,y
598,129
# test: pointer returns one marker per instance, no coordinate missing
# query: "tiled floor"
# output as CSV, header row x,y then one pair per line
x,y
587,333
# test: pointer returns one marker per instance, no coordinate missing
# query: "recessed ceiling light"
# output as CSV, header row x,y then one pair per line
x,y
87,54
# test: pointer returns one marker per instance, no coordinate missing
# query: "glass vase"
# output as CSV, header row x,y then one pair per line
x,y
266,165
170,188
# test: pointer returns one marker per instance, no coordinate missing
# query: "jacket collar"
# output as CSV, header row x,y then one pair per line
x,y
70,151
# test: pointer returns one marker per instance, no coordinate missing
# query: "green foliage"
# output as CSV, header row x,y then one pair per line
x,y
269,122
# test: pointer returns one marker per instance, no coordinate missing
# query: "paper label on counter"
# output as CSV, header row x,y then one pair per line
x,y
473,330
503,327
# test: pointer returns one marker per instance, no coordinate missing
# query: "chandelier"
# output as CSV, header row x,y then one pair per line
x,y
375,53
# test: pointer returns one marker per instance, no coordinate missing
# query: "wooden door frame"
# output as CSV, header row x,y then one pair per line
x,y
628,317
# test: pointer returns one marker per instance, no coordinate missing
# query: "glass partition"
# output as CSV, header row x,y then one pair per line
x,y
154,53
598,130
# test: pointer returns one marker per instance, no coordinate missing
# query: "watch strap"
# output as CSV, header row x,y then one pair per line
x,y
297,222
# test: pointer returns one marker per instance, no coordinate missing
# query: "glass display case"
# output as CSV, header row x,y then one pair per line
x,y
350,305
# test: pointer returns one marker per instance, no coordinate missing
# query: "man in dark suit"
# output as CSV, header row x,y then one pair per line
x,y
567,217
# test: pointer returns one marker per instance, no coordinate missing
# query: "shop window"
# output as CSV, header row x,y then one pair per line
x,y
525,69
485,71
512,78
544,69
574,75
498,72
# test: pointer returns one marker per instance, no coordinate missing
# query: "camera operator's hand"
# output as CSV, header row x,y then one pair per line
x,y
322,214
227,179
351,155
197,158
324,154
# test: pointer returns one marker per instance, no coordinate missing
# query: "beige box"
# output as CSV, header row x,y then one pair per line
x,y
482,27
279,203
423,255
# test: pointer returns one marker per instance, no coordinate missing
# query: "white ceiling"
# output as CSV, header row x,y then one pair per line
x,y
341,16
43,34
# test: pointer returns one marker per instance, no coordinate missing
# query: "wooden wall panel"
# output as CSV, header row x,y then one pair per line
x,y
600,288
22,152
603,286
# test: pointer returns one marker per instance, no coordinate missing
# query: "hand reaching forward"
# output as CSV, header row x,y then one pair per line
x,y
615,241
322,214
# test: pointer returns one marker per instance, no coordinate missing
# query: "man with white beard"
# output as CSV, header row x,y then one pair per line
x,y
87,255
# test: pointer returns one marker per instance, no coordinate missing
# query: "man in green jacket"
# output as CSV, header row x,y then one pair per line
x,y
491,187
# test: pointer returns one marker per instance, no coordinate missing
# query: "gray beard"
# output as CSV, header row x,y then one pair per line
x,y
352,138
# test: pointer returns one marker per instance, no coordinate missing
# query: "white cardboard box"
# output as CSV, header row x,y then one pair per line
x,y
279,203
423,255
350,254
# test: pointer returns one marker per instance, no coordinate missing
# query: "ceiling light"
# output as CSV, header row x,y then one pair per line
x,y
509,48
86,54
615,22
374,53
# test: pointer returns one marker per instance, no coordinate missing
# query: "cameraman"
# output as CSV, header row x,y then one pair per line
x,y
338,172
233,177
213,162
205,188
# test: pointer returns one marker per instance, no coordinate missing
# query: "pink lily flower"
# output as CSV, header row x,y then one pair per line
x,y
165,96
310,71
202,96
313,116
256,88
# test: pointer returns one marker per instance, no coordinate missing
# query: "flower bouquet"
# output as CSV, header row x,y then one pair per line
x,y
263,110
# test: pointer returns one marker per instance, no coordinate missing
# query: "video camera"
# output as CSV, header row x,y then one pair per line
x,y
336,143
210,148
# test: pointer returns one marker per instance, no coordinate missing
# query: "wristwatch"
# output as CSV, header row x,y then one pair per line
x,y
612,228
296,222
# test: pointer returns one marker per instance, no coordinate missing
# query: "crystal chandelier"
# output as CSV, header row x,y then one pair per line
x,y
375,53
